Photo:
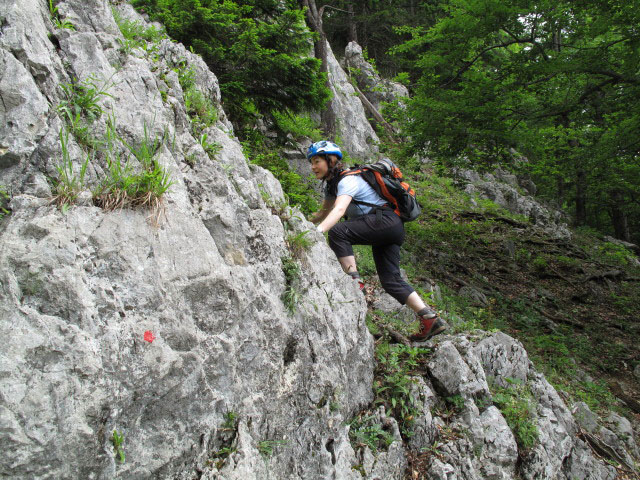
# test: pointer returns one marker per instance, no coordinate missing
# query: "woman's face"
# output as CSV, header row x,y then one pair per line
x,y
319,167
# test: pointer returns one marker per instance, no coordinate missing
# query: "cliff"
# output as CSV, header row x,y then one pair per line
x,y
189,337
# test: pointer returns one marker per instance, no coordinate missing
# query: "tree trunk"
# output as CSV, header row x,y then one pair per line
x,y
581,197
314,16
619,216
353,31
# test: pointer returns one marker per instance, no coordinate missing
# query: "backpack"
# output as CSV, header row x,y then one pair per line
x,y
386,179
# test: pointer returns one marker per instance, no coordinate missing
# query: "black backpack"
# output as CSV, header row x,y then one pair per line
x,y
386,179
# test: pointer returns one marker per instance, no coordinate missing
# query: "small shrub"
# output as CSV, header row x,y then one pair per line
x,y
118,440
292,293
298,126
4,202
366,432
540,264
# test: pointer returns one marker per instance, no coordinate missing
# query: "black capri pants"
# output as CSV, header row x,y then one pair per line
x,y
384,231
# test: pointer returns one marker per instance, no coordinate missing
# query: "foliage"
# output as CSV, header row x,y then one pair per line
x,y
118,439
5,197
126,185
68,184
393,384
515,403
80,107
292,293
547,80
297,192
58,21
266,447
364,431
298,243
136,35
212,148
257,48
298,126
201,110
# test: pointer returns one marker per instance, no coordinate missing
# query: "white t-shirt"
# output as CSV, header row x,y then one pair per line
x,y
360,191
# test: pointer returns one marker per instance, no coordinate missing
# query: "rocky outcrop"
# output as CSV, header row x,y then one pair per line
x,y
509,193
170,335
358,137
198,343
378,90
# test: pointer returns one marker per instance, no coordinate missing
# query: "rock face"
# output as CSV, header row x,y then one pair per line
x,y
377,89
504,189
183,346
162,333
358,137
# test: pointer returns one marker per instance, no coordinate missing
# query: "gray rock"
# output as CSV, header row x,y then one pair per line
x,y
585,417
23,111
358,137
454,374
476,297
377,89
501,188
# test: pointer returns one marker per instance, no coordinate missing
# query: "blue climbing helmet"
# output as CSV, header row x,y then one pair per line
x,y
324,147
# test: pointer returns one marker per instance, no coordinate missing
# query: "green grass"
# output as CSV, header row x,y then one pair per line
x,y
68,183
292,294
136,35
117,439
517,406
131,185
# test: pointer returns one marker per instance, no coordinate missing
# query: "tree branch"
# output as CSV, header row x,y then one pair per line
x,y
475,59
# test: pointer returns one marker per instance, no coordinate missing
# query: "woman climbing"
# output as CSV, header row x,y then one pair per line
x,y
369,222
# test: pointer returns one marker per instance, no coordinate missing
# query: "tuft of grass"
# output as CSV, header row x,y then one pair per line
x,y
267,447
5,198
211,148
201,110
57,20
80,107
126,186
298,243
69,183
136,35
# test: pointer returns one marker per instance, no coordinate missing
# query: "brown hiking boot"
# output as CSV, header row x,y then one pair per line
x,y
430,325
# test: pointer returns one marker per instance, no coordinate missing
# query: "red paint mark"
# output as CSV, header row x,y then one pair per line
x,y
148,336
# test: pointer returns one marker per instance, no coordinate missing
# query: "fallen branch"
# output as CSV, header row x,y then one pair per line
x,y
618,392
604,450
484,216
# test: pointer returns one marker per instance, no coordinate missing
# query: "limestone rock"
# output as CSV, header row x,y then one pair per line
x,y
358,137
378,90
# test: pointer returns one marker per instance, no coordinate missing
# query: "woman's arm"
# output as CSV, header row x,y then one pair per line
x,y
336,213
321,214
